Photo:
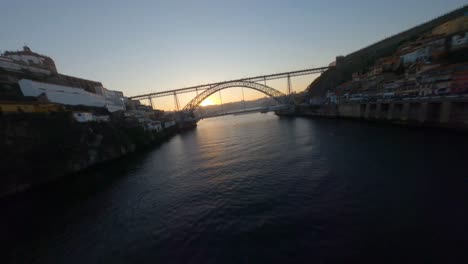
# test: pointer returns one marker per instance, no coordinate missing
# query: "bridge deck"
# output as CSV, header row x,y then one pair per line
x,y
249,79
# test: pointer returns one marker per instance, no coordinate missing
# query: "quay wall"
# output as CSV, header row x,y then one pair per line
x,y
429,113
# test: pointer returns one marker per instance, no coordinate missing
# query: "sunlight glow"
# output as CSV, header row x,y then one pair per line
x,y
208,101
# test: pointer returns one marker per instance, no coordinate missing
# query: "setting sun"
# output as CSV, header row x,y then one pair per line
x,y
208,101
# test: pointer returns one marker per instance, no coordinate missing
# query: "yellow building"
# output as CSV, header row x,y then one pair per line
x,y
452,26
33,107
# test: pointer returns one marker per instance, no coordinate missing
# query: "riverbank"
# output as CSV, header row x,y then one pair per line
x,y
42,148
437,113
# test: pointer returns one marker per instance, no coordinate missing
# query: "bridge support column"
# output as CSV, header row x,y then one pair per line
x,y
290,98
176,101
243,98
221,101
289,85
151,102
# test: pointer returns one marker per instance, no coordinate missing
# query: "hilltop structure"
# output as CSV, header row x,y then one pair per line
x,y
28,60
36,76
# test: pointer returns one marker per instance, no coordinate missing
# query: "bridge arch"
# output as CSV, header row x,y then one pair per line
x,y
273,93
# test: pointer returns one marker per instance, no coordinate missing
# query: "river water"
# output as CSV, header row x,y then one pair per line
x,y
258,188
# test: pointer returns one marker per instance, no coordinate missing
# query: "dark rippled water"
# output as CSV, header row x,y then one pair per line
x,y
258,188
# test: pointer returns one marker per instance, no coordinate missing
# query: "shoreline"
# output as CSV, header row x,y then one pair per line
x,y
43,149
439,114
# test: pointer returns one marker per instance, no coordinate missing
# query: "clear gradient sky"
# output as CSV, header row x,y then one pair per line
x,y
143,46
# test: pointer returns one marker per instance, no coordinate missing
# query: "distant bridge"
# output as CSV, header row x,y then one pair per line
x,y
205,90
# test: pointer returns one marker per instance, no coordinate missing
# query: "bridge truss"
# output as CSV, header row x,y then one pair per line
x,y
275,94
256,79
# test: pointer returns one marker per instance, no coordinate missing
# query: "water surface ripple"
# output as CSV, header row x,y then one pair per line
x,y
258,188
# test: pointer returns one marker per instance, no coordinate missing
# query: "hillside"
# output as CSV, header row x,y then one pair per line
x,y
364,58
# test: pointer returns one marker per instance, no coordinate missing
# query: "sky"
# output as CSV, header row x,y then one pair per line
x,y
146,46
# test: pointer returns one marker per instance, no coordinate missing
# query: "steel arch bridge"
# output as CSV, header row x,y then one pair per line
x,y
273,93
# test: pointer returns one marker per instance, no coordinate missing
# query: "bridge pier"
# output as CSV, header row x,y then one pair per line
x,y
221,101
176,100
151,102
243,98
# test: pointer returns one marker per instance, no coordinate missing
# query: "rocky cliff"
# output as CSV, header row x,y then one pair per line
x,y
36,148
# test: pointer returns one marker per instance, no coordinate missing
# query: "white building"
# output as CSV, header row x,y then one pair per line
x,y
11,65
459,41
83,117
169,124
154,126
422,54
115,100
331,97
28,58
112,100
61,94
